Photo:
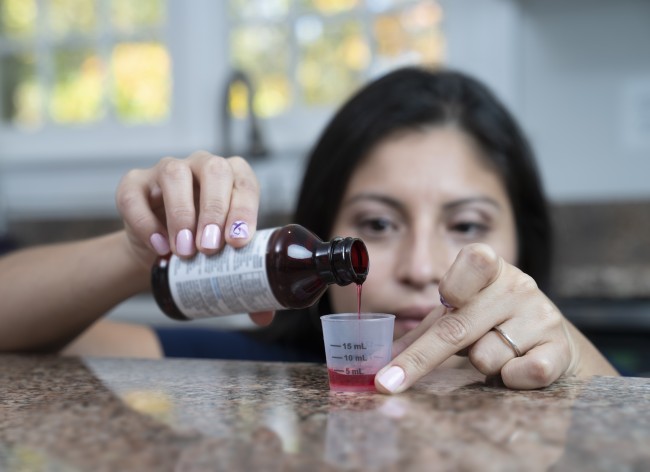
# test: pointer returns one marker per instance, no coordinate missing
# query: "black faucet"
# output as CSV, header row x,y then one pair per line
x,y
256,148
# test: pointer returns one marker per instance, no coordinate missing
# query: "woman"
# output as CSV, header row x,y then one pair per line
x,y
431,171
420,165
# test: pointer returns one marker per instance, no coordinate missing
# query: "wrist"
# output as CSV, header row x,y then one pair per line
x,y
133,268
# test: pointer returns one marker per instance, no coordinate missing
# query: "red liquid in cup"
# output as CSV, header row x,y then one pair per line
x,y
358,382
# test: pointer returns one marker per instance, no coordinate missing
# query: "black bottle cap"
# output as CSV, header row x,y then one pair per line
x,y
349,260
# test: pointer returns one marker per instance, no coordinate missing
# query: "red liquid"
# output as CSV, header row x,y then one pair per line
x,y
296,282
359,300
351,383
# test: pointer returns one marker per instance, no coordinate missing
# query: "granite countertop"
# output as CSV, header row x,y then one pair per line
x,y
60,414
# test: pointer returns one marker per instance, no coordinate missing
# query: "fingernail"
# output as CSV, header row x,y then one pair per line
x,y
211,237
185,242
445,303
392,378
159,243
239,230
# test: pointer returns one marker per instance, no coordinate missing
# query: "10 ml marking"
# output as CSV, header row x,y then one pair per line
x,y
352,357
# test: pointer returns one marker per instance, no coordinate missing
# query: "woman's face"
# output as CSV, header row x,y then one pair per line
x,y
415,201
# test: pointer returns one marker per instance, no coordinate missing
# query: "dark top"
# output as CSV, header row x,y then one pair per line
x,y
7,244
210,343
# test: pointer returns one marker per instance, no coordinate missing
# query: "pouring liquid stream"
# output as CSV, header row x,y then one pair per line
x,y
353,377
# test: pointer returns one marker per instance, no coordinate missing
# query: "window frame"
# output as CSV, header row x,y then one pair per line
x,y
73,173
68,175
192,79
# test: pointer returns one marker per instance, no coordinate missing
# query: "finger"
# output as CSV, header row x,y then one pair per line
x,y
490,353
262,318
407,339
476,267
244,204
446,336
540,367
176,182
132,201
215,178
498,346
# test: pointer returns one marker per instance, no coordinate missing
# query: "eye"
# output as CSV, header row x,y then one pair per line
x,y
377,226
470,229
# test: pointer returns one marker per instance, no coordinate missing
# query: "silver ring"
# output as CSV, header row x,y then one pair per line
x,y
509,340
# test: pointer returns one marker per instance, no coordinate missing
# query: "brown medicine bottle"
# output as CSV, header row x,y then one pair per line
x,y
286,267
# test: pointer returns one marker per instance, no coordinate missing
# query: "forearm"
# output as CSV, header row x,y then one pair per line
x,y
589,360
51,294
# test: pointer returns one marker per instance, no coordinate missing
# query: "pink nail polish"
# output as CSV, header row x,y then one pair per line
x,y
239,230
160,244
392,378
185,243
211,237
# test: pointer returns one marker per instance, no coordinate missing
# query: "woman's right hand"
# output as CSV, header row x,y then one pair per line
x,y
183,205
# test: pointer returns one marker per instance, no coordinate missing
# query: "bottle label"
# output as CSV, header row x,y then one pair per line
x,y
234,281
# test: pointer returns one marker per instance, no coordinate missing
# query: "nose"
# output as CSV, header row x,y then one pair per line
x,y
424,260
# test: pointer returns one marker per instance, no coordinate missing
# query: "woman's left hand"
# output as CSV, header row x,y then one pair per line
x,y
500,319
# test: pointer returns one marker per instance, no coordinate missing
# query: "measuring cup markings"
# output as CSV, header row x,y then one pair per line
x,y
353,353
356,348
349,347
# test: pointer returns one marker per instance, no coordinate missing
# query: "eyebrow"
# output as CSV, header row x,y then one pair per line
x,y
397,205
376,197
466,201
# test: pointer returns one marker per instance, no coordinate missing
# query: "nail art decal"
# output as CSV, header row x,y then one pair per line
x,y
239,230
445,303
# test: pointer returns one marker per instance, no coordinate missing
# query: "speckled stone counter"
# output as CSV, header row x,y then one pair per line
x,y
67,414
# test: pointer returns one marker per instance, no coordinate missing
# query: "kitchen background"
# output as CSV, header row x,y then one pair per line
x,y
92,88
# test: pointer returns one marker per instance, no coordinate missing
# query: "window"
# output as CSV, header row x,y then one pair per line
x,y
80,62
92,88
91,80
70,65
306,54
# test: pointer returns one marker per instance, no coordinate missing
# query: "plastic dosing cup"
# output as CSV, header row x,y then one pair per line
x,y
356,348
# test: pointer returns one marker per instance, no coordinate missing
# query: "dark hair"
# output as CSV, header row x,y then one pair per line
x,y
412,98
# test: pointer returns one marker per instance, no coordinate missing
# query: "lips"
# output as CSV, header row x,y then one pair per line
x,y
410,317
408,323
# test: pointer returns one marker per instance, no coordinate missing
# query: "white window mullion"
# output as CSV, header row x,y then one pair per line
x,y
43,54
104,40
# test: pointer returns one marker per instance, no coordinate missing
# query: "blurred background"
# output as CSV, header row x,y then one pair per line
x,y
92,88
